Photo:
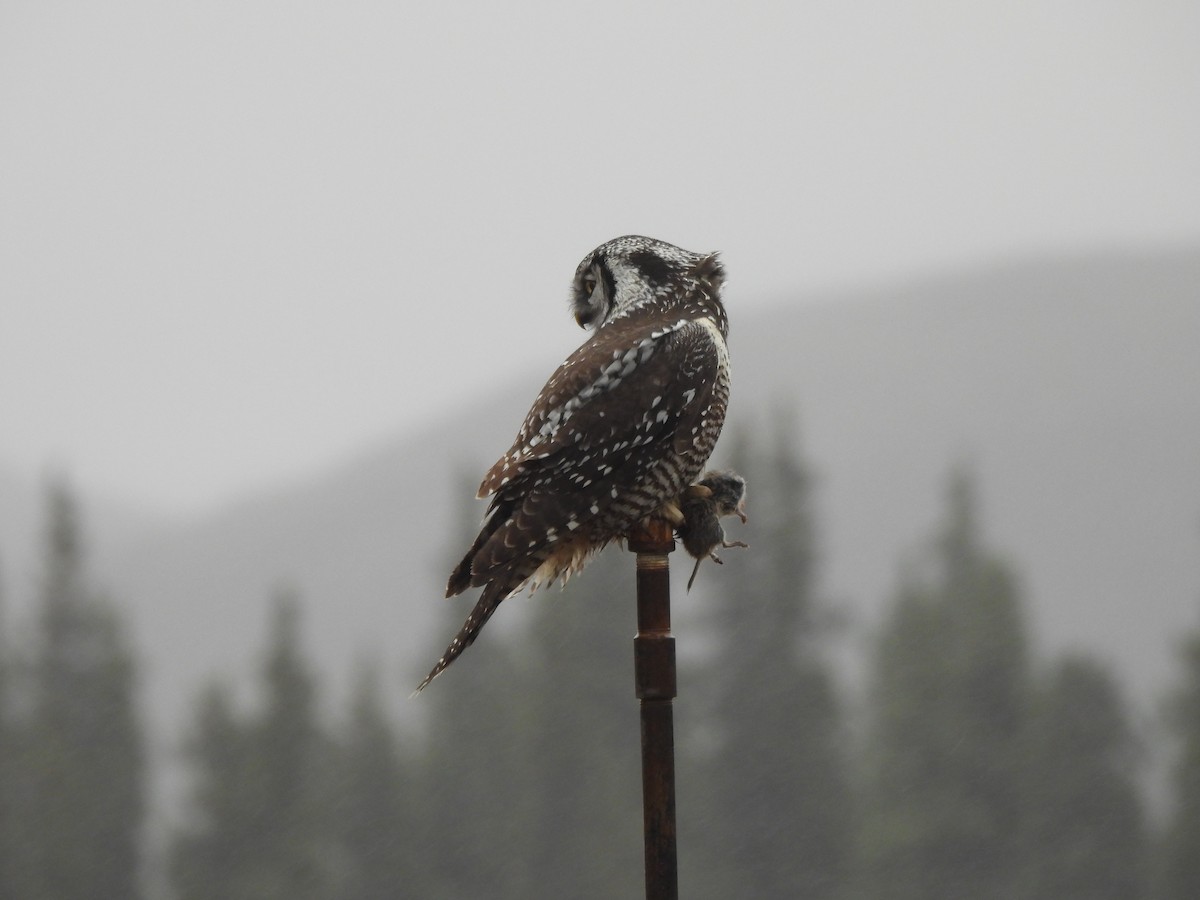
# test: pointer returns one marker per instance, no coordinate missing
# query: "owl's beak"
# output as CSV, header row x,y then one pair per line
x,y
587,314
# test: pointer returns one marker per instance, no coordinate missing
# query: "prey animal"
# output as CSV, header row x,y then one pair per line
x,y
703,505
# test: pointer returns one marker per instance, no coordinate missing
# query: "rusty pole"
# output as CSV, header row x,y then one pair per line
x,y
654,680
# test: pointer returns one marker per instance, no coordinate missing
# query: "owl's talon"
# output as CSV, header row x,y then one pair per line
x,y
670,513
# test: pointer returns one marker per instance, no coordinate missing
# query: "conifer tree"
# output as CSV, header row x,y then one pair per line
x,y
18,833
580,758
9,774
374,802
1083,835
946,723
772,810
213,857
85,752
467,796
85,756
1180,859
291,757
530,779
260,825
468,792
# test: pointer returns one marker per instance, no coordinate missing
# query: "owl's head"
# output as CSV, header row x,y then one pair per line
x,y
630,272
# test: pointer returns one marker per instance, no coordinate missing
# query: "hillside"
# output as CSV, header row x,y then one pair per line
x,y
1070,387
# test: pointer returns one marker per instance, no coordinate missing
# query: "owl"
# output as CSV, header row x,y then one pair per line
x,y
617,433
703,505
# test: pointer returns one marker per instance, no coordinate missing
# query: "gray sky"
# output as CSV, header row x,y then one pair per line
x,y
237,239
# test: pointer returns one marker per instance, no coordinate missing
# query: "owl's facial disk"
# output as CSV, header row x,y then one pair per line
x,y
590,298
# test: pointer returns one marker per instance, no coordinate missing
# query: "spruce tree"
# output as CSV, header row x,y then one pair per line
x,y
1083,832
530,779
291,756
770,806
946,724
212,858
260,825
580,758
467,796
17,801
9,774
374,801
1180,875
85,764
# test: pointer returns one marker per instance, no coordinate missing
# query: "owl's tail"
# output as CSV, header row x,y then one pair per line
x,y
492,594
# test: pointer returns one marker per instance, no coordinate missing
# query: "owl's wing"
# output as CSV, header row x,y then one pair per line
x,y
615,394
606,463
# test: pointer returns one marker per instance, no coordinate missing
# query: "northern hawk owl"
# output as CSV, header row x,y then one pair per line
x,y
620,429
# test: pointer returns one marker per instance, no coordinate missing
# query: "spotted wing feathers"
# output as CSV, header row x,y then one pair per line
x,y
612,461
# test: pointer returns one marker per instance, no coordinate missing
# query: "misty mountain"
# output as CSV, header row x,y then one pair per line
x,y
1069,388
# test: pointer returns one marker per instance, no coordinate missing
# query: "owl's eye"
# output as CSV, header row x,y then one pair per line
x,y
589,285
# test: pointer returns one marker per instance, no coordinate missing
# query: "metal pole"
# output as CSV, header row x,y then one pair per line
x,y
654,679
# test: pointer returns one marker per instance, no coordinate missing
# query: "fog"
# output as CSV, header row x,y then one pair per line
x,y
236,241
277,283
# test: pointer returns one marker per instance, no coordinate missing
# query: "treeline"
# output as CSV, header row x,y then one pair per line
x,y
966,766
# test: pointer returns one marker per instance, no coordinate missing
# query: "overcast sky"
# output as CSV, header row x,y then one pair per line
x,y
238,238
